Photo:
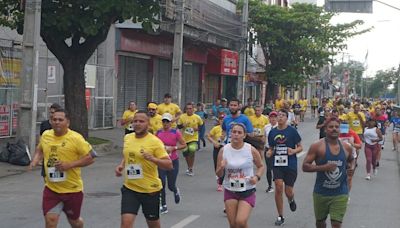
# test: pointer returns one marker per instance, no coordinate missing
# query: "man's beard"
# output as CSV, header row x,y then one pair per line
x,y
234,111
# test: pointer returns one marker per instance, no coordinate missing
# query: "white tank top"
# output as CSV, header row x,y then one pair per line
x,y
239,168
369,135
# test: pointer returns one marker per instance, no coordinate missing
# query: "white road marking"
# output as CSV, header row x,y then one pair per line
x,y
301,154
185,221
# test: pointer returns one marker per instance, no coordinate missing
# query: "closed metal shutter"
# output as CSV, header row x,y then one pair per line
x,y
133,83
190,83
162,79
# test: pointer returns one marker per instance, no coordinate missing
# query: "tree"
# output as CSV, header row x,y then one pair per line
x,y
355,70
297,41
72,30
382,82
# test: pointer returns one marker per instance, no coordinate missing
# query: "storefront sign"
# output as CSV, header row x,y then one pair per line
x,y
222,62
4,120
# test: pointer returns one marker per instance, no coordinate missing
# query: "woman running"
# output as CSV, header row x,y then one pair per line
x,y
372,135
236,162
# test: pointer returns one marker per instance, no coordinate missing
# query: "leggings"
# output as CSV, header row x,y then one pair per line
x,y
170,176
269,164
370,154
215,158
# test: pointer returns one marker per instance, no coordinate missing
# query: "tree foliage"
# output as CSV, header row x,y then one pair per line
x,y
297,41
382,83
72,30
355,69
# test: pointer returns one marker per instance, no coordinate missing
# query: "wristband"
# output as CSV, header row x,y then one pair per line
x,y
258,177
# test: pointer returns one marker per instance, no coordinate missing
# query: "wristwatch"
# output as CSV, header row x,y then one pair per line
x,y
258,177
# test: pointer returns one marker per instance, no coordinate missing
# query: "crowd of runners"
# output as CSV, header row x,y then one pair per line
x,y
248,140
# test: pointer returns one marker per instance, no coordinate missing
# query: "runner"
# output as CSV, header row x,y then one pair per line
x,y
314,106
259,121
127,117
285,143
236,162
224,107
269,160
190,124
303,102
155,119
296,107
372,135
143,154
279,103
382,122
216,137
202,131
357,120
395,120
169,107
322,122
333,163
349,136
173,141
64,152
249,110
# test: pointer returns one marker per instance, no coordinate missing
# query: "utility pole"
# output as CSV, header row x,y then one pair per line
x,y
29,78
243,52
176,77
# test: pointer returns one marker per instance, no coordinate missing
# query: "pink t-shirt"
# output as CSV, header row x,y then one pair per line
x,y
170,138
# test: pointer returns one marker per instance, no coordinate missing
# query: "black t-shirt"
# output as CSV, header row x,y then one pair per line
x,y
322,133
45,125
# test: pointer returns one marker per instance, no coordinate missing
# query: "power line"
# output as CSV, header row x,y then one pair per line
x,y
387,4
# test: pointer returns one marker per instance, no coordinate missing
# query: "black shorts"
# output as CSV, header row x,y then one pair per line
x,y
131,202
287,175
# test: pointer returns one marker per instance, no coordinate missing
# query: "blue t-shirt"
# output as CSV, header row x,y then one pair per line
x,y
280,140
396,123
224,110
229,121
202,114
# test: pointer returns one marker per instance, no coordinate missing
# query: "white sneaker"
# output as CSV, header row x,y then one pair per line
x,y
368,177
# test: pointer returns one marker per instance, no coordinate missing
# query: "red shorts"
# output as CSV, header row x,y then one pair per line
x,y
70,203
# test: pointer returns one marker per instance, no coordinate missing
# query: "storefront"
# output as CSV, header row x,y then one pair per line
x,y
222,72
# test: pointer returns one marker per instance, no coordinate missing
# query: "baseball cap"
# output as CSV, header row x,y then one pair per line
x,y
167,116
273,113
152,106
224,99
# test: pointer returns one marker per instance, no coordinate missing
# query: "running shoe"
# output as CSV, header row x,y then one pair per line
x,y
163,209
219,188
270,189
368,177
177,196
189,172
292,205
377,164
280,221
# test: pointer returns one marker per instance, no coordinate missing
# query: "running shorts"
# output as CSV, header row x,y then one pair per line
x,y
70,203
335,206
131,202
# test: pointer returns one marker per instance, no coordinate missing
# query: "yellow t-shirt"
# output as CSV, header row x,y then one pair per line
x,y
67,148
314,102
170,108
127,114
343,116
355,123
249,111
216,133
147,181
259,124
303,104
190,122
155,123
278,104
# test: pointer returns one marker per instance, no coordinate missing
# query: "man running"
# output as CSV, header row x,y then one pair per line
x,y
127,117
259,121
190,124
143,154
65,152
333,162
155,118
285,143
169,107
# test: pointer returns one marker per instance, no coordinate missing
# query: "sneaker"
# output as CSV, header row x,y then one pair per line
x,y
375,172
269,189
190,173
377,164
177,196
163,209
219,188
280,221
292,205
187,172
368,177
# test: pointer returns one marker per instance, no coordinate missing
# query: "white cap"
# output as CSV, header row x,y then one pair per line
x,y
167,116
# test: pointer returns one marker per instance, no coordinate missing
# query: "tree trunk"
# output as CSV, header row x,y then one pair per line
x,y
74,93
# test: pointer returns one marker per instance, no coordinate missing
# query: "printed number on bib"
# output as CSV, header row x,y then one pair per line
x,y
134,171
257,131
56,175
356,123
130,127
237,184
281,160
189,131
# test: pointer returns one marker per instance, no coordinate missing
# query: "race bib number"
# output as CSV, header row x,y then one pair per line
x,y
281,160
189,131
130,127
257,131
379,124
237,184
55,175
134,171
356,123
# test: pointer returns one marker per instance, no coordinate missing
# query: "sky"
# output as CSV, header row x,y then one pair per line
x,y
382,43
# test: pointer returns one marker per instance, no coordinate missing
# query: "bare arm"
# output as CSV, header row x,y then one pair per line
x,y
36,158
259,164
298,149
220,163
182,143
119,168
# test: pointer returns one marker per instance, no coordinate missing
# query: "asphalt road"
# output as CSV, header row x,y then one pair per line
x,y
373,203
